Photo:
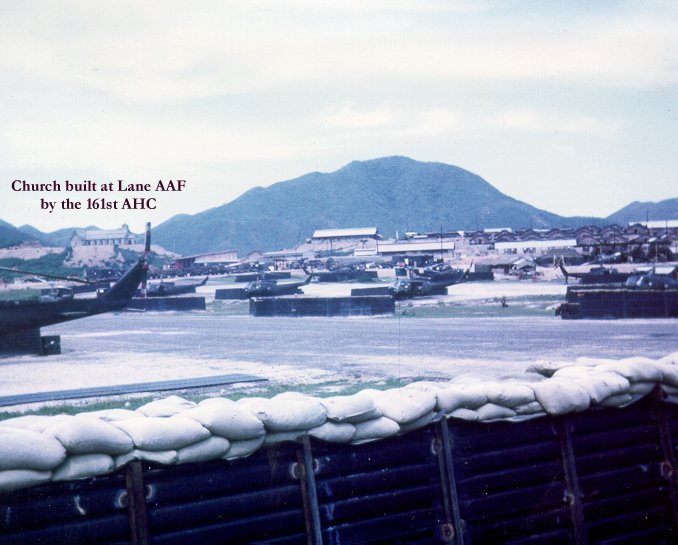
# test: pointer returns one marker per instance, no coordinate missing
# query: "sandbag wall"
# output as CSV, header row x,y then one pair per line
x,y
580,453
513,485
595,477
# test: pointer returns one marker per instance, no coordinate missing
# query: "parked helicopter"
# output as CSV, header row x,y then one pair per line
x,y
270,287
596,275
21,320
420,286
654,278
441,272
169,289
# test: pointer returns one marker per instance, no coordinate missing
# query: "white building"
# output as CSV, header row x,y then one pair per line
x,y
103,237
346,234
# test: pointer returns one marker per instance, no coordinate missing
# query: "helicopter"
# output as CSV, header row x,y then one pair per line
x,y
596,275
169,289
22,318
270,287
418,285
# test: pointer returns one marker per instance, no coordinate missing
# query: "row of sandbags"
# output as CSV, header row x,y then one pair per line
x,y
37,449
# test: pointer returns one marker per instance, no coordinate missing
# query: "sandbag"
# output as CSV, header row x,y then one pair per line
x,y
533,408
669,359
464,414
594,362
492,411
334,432
27,449
561,396
574,371
621,400
423,420
350,409
28,422
165,457
375,429
641,388
209,449
508,394
109,415
636,369
426,386
241,449
37,423
226,418
168,406
670,390
669,373
90,436
599,384
459,396
275,437
545,368
523,417
154,433
287,413
83,466
403,405
15,479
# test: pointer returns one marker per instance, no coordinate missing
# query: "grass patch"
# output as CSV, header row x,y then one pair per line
x,y
81,405
523,306
234,392
47,264
28,294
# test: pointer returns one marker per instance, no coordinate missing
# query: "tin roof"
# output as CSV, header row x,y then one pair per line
x,y
351,232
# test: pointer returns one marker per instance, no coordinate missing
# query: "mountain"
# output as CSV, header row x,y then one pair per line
x,y
642,211
10,235
391,193
60,238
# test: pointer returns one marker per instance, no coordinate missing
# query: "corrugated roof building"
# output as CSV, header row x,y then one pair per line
x,y
351,233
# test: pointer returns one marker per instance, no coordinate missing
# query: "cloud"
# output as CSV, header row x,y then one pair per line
x,y
439,121
138,53
348,117
533,120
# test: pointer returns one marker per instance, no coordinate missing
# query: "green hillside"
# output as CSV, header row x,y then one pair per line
x,y
642,211
392,193
10,236
395,194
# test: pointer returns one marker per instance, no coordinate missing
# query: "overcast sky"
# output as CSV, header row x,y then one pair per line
x,y
569,106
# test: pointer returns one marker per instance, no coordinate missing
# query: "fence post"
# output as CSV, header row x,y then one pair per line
x,y
136,504
306,475
562,428
668,468
452,531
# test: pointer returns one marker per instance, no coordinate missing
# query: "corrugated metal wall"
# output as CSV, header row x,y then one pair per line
x,y
604,476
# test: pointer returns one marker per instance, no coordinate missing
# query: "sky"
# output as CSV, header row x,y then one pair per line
x,y
567,105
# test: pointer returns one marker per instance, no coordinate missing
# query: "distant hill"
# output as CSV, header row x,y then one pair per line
x,y
60,237
10,235
392,193
642,211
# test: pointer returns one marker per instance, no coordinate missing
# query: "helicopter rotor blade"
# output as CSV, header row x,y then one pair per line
x,y
56,277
